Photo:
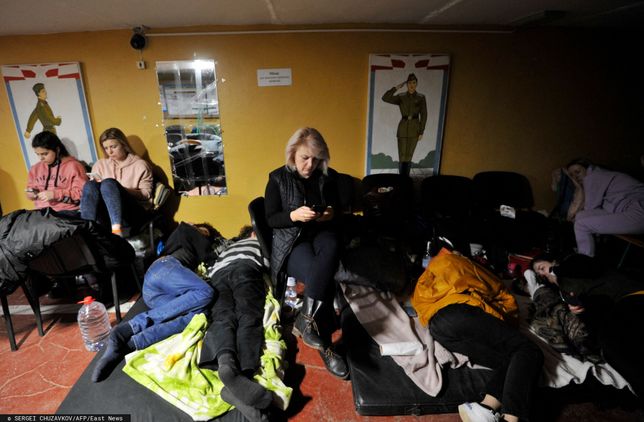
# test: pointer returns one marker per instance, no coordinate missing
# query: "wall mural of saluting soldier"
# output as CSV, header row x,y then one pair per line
x,y
413,110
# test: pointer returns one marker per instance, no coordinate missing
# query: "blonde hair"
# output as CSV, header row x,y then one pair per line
x,y
313,139
117,135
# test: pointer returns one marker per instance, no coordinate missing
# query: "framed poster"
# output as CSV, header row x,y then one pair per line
x,y
50,97
407,99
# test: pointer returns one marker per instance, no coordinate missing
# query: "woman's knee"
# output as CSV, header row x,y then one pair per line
x,y
109,184
204,295
91,188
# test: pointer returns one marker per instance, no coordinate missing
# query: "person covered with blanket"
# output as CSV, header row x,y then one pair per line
x,y
233,342
611,302
172,291
469,311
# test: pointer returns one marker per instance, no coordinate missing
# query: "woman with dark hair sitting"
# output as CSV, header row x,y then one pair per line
x,y
612,304
172,291
122,183
58,179
301,201
609,202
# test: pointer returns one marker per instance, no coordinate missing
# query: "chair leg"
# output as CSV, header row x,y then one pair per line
x,y
136,277
7,319
115,293
32,298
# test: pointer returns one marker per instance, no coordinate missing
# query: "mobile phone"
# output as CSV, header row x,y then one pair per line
x,y
32,190
93,176
318,208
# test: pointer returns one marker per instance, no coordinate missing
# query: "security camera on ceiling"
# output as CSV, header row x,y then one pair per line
x,y
138,40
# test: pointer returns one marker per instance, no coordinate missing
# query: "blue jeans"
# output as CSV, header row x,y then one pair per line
x,y
109,194
174,295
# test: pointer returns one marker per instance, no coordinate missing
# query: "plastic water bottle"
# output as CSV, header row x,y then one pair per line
x,y
427,257
94,324
290,295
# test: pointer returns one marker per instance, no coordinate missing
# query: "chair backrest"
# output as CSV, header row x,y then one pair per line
x,y
68,256
161,194
446,196
258,220
387,195
495,188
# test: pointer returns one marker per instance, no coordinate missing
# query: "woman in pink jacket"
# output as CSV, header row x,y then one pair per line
x,y
58,179
121,183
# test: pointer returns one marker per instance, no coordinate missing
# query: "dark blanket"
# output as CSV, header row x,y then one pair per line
x,y
26,234
120,394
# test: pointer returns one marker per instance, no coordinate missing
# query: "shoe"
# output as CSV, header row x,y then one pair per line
x,y
475,412
306,326
335,363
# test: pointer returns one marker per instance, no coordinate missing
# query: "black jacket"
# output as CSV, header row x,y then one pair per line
x,y
292,195
25,234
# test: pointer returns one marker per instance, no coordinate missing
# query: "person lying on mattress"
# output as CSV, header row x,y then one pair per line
x,y
233,342
469,311
172,291
612,304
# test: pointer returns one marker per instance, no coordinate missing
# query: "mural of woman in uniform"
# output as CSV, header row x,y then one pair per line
x,y
413,110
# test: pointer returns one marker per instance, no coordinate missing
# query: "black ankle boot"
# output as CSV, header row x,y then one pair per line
x,y
306,326
334,363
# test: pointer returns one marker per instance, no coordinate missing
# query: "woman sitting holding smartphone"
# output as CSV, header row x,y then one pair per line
x,y
58,179
122,183
300,200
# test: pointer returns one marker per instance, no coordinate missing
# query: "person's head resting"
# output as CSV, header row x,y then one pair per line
x,y
412,83
48,147
115,144
542,265
208,231
39,90
306,152
577,169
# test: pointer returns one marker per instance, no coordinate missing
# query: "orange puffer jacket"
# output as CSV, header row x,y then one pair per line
x,y
451,278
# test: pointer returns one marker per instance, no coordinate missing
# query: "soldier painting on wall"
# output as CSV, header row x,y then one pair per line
x,y
408,140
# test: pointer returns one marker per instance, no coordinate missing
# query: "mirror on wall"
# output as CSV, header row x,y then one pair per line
x,y
188,93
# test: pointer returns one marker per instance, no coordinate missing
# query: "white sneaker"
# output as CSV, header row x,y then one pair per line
x,y
474,412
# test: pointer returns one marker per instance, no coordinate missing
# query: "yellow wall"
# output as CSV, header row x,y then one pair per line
x,y
525,102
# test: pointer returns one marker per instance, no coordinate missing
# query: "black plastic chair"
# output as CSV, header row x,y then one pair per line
x,y
387,201
520,234
68,257
447,205
265,237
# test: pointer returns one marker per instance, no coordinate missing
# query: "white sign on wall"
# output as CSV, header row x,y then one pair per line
x,y
274,77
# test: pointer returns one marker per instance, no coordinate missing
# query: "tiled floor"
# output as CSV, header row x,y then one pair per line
x,y
37,377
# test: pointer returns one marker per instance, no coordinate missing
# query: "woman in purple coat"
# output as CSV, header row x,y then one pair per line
x,y
613,203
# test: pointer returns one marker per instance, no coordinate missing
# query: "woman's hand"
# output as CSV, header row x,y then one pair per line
x,y
573,180
303,214
326,215
46,195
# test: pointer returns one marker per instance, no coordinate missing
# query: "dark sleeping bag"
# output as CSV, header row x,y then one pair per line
x,y
25,234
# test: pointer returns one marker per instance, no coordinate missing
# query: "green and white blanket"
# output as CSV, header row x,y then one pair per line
x,y
170,368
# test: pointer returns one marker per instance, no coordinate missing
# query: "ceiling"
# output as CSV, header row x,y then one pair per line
x,y
55,16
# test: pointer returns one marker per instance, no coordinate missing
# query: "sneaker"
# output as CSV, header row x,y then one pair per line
x,y
475,412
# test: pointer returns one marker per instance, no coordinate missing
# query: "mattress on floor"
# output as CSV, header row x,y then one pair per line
x,y
381,387
120,394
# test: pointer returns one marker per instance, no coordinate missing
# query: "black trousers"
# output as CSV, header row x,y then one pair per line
x,y
237,318
314,260
515,361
